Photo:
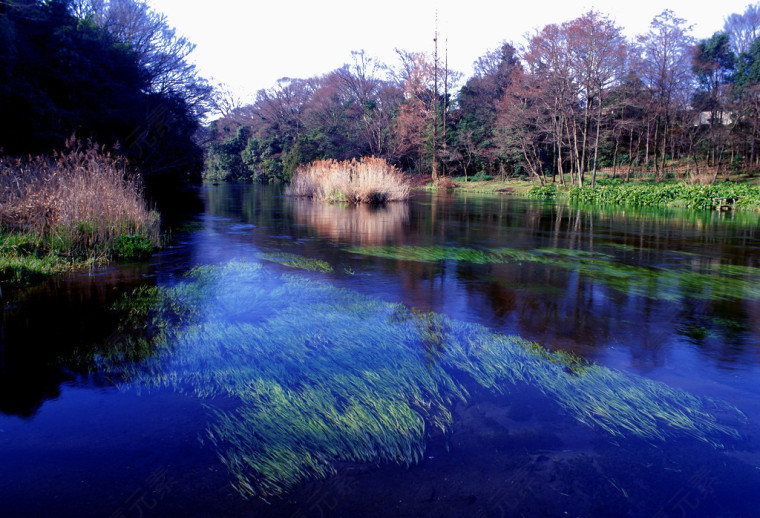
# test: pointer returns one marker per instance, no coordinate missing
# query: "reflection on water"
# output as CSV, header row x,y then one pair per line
x,y
362,224
312,340
47,331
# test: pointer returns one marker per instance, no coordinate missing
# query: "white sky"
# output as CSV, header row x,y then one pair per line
x,y
249,45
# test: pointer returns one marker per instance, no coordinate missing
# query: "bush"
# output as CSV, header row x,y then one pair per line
x,y
543,191
481,176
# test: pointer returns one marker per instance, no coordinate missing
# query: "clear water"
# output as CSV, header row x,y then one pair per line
x,y
450,356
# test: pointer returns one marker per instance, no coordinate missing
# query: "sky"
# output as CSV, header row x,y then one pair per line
x,y
250,45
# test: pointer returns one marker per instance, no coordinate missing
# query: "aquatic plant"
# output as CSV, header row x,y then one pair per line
x,y
20,261
367,180
83,204
429,254
323,375
714,282
298,261
617,193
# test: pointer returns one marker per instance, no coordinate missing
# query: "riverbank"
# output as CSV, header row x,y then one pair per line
x,y
744,195
722,195
70,211
488,186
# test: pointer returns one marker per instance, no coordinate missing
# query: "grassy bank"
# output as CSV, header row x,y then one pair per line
x,y
368,180
483,186
645,194
67,211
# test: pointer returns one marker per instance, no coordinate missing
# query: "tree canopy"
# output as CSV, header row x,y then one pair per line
x,y
576,97
74,69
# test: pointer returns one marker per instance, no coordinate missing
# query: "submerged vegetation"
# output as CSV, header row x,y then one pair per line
x,y
642,194
709,282
298,261
80,207
368,180
323,375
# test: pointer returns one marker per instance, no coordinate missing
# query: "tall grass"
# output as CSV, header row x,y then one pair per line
x,y
81,204
368,180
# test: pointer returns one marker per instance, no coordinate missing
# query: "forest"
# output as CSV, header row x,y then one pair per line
x,y
568,101
573,99
114,72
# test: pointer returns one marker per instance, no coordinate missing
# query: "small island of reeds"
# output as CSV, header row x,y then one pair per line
x,y
367,180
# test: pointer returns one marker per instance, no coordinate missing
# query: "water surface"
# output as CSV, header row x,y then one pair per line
x,y
448,356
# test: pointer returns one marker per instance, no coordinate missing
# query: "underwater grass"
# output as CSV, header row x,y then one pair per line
x,y
298,261
714,282
324,375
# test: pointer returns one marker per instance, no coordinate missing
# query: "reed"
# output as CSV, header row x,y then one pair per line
x,y
81,204
367,180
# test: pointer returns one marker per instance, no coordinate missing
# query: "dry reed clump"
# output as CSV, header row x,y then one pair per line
x,y
368,180
77,203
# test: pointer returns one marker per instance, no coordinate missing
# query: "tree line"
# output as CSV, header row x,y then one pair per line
x,y
112,71
573,99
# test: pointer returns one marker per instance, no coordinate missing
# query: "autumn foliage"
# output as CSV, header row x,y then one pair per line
x,y
367,180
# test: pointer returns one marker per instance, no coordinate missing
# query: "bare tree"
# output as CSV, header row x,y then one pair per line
x,y
665,67
744,28
225,101
161,52
597,51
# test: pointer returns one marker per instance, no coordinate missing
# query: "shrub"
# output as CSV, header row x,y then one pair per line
x,y
543,191
368,180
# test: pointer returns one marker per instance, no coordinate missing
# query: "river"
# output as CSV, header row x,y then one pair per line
x,y
454,355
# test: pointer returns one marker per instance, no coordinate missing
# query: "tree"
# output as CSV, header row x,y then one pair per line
x,y
64,73
478,101
713,64
551,85
62,76
225,101
746,88
664,64
743,29
597,52
161,52
412,124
